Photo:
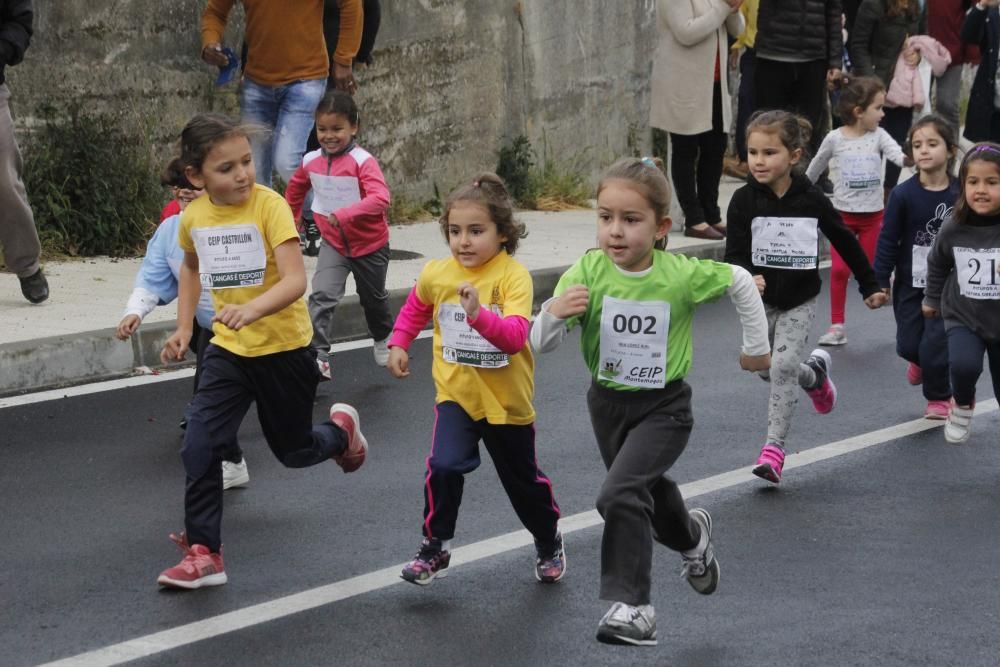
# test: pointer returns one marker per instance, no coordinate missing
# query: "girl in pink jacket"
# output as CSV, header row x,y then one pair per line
x,y
349,204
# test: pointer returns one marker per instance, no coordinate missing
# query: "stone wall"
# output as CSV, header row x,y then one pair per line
x,y
453,78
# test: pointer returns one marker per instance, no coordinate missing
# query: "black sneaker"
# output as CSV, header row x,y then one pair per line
x,y
312,239
826,185
35,287
550,565
430,562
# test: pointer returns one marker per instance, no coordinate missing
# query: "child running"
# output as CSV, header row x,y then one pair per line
x,y
917,207
349,205
480,300
240,242
963,284
156,284
857,147
774,223
635,305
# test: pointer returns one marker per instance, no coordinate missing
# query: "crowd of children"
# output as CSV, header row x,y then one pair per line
x,y
231,258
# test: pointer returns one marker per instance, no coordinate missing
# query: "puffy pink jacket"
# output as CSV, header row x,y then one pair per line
x,y
906,89
354,230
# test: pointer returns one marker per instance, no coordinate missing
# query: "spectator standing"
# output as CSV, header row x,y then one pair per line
x,y
944,23
18,236
982,27
743,56
687,81
799,49
878,37
286,70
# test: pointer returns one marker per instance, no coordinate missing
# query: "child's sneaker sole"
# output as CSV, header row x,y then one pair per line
x,y
765,471
426,581
208,580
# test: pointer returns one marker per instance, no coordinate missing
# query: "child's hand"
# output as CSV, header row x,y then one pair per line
x,y
876,300
127,327
572,302
469,297
399,362
929,312
755,363
176,346
908,161
760,283
237,316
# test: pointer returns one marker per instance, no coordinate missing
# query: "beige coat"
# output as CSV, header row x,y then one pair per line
x,y
690,35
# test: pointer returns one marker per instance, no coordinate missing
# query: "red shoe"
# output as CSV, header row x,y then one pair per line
x,y
937,410
346,417
914,374
199,567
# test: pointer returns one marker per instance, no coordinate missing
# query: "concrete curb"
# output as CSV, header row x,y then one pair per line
x,y
90,356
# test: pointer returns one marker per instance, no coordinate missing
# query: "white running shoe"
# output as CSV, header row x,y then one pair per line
x,y
835,335
234,474
380,350
959,424
625,624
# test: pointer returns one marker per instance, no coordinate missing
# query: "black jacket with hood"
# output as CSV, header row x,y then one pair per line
x,y
15,32
800,30
788,288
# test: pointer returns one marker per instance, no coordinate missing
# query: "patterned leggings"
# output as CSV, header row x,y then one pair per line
x,y
788,331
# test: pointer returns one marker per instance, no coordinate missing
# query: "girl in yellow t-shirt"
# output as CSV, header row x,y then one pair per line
x,y
480,299
240,242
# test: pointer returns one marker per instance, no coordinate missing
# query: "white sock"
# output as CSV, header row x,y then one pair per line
x,y
446,545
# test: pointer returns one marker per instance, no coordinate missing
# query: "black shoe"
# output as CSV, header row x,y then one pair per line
x,y
35,287
826,185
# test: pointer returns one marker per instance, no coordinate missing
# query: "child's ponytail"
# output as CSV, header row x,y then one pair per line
x,y
489,191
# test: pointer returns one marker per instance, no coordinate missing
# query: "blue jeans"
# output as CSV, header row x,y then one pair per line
x,y
288,111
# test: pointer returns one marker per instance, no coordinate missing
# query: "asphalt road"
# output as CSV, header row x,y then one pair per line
x,y
884,556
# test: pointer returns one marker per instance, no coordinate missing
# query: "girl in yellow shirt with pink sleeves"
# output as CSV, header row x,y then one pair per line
x,y
480,299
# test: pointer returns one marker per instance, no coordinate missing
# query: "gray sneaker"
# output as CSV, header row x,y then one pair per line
x,y
702,569
625,624
234,474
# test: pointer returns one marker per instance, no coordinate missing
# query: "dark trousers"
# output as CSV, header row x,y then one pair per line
x,y
746,103
921,341
455,453
897,122
201,337
696,168
965,355
796,87
640,436
284,386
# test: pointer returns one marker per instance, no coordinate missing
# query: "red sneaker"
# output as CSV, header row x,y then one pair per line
x,y
937,410
346,417
199,567
914,374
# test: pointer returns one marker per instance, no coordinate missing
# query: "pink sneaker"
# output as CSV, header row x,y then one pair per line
x,y
914,374
199,567
824,394
346,417
769,463
937,409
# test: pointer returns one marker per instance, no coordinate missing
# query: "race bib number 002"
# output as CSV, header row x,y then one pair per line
x,y
461,344
785,243
978,276
634,342
231,256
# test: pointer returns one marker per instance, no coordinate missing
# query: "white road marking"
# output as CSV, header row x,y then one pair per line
x,y
140,380
264,612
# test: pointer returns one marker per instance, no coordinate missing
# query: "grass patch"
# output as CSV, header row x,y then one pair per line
x,y
550,186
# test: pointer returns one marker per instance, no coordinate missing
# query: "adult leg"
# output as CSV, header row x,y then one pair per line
x,y
947,88
897,123
788,373
369,274
711,150
639,441
774,82
746,104
454,454
328,286
259,106
213,419
18,236
296,113
683,166
512,449
811,97
965,358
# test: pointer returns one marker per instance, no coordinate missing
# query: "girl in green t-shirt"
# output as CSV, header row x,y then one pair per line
x,y
635,306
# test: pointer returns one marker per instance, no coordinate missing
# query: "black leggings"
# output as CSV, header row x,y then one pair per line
x,y
696,168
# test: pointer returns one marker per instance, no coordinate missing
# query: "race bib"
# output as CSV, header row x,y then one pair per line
x,y
978,272
861,172
785,243
331,193
461,344
231,256
634,342
920,265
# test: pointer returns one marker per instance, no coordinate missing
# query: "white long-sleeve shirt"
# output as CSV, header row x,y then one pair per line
x,y
858,189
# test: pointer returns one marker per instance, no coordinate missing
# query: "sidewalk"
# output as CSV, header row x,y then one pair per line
x,y
70,338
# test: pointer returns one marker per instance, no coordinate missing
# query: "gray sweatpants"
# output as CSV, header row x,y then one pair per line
x,y
788,331
640,435
328,286
18,236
